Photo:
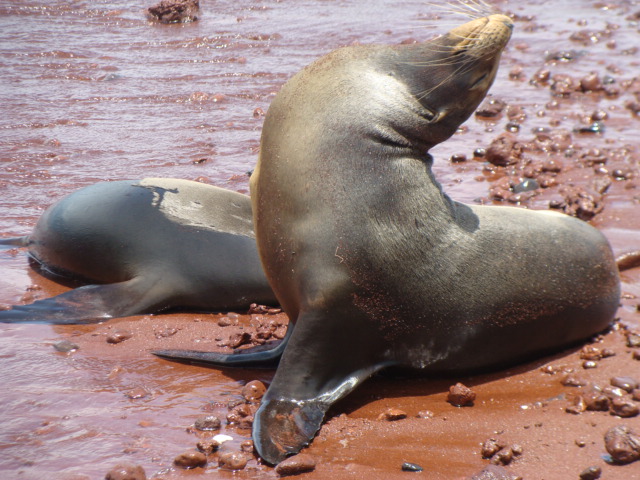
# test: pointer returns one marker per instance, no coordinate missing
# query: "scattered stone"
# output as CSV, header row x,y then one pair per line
x,y
190,459
241,416
628,384
296,465
494,472
595,127
253,391
622,444
392,414
126,471
583,204
541,77
516,73
479,153
65,346
238,339
490,108
255,309
503,151
636,395
207,422
632,106
596,401
563,85
247,446
624,408
232,461
590,352
503,457
573,381
613,392
591,83
460,395
458,158
587,364
411,467
491,447
175,11
119,336
636,355
137,393
577,407
633,340
208,446
527,185
166,332
591,473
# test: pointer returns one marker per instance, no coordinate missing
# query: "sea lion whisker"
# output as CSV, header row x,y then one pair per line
x,y
455,11
457,71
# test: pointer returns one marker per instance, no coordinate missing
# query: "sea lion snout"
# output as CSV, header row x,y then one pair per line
x,y
493,32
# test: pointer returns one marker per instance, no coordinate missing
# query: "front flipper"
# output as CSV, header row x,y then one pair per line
x,y
90,304
262,359
324,361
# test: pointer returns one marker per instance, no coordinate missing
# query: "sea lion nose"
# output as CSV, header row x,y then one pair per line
x,y
506,21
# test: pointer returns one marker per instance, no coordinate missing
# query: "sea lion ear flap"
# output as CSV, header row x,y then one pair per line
x,y
282,427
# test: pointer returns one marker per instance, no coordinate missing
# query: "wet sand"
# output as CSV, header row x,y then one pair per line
x,y
96,92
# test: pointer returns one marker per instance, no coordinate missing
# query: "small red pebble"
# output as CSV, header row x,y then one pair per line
x,y
119,336
126,471
190,459
460,395
295,465
232,461
253,391
392,414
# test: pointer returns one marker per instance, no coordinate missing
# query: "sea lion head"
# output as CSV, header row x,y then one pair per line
x,y
451,74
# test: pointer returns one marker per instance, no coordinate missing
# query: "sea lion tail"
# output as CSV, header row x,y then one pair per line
x,y
13,242
628,260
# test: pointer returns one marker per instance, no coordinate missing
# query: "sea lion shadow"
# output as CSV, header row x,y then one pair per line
x,y
400,383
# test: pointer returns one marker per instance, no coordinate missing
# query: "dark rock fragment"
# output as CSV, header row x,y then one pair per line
x,y
175,11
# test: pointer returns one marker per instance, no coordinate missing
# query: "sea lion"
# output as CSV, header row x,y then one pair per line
x,y
374,264
149,245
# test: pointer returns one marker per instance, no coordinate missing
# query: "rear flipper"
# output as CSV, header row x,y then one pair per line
x,y
245,358
14,242
324,361
89,304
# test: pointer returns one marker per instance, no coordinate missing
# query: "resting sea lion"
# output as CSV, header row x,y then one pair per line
x,y
149,245
374,264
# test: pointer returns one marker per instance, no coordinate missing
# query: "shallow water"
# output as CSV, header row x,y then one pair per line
x,y
93,91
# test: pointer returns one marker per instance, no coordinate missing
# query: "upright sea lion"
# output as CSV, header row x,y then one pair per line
x,y
149,245
374,264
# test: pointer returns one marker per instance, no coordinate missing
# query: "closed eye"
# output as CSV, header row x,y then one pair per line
x,y
428,114
478,81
